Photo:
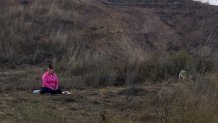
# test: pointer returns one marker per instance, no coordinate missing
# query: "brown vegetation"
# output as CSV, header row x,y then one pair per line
x,y
139,47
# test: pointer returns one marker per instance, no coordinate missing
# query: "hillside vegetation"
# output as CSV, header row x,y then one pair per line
x,y
91,40
119,58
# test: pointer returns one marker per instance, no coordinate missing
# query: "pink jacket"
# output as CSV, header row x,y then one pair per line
x,y
50,81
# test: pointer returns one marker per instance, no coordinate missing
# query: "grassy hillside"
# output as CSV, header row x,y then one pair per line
x,y
91,39
119,58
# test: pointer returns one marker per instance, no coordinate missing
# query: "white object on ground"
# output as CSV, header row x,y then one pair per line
x,y
36,91
66,93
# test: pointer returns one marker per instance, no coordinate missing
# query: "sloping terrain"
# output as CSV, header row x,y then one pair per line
x,y
119,58
112,30
77,35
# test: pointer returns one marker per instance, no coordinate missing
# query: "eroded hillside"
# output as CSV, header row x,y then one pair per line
x,y
76,35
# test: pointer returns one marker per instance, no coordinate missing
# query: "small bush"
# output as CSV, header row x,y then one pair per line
x,y
182,60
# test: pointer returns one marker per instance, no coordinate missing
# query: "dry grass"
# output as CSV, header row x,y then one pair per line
x,y
35,112
92,48
93,45
191,102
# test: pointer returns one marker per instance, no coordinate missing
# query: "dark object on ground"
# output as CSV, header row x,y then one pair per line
x,y
45,90
24,2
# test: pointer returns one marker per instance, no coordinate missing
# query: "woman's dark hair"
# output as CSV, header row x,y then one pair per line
x,y
50,66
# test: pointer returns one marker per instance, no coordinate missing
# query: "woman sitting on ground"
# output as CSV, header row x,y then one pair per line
x,y
50,82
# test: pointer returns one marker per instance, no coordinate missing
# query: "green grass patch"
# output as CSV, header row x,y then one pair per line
x,y
36,112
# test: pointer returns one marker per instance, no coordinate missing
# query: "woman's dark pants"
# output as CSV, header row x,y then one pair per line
x,y
45,90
